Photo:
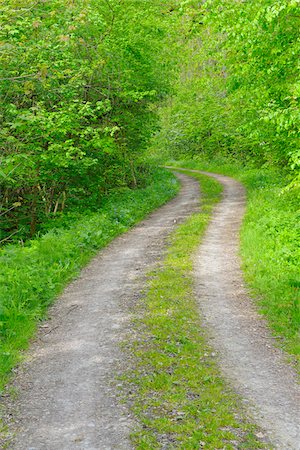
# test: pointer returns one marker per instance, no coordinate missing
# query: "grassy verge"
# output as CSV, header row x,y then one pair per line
x,y
177,393
270,248
32,276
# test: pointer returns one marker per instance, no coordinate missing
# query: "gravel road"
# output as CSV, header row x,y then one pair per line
x,y
68,386
246,351
67,389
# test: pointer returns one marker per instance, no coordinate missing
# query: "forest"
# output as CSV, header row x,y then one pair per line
x,y
85,85
98,95
79,85
98,98
238,95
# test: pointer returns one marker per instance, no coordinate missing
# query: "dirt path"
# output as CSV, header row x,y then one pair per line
x,y
67,389
246,351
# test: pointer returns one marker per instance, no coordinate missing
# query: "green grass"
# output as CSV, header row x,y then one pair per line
x,y
32,276
177,393
270,248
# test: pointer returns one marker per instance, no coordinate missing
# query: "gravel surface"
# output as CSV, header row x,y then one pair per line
x,y
68,388
246,351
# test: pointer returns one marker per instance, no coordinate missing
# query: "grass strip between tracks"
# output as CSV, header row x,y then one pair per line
x,y
270,249
176,391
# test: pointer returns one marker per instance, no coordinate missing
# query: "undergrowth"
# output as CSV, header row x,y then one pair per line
x,y
270,249
31,276
177,393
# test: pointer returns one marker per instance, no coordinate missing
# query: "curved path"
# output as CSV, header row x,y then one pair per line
x,y
67,393
246,351
68,386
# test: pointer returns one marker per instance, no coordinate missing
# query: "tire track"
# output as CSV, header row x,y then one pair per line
x,y
67,388
246,350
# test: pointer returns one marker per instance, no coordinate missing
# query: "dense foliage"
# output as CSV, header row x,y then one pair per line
x,y
78,80
239,91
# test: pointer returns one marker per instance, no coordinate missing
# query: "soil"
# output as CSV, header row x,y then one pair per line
x,y
247,353
68,387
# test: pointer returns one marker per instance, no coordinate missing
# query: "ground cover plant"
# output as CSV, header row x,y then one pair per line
x,y
31,276
269,246
177,393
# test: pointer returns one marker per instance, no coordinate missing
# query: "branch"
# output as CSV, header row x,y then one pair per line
x,y
19,77
8,237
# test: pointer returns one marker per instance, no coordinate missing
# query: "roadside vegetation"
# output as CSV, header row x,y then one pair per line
x,y
177,393
238,94
31,276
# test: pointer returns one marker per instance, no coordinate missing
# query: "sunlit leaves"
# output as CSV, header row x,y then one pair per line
x,y
78,81
239,90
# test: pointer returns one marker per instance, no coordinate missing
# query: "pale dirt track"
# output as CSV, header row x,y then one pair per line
x,y
246,351
68,398
67,388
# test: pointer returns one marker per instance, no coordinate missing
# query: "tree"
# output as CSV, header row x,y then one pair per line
x,y
79,79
